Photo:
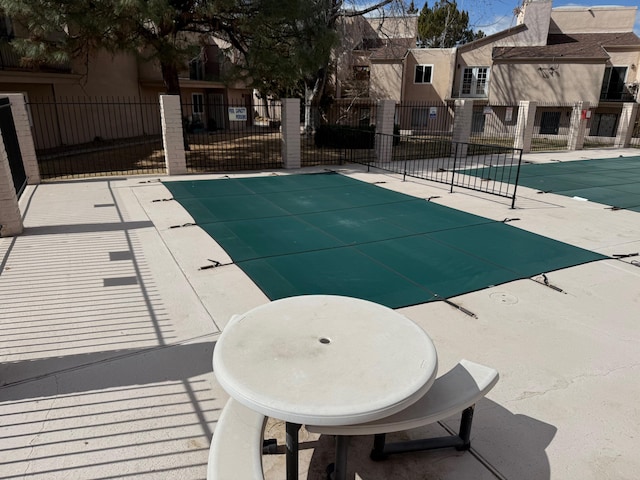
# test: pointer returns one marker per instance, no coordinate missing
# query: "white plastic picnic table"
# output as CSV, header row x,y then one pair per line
x,y
324,360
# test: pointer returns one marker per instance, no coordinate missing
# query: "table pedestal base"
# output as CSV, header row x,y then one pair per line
x,y
291,441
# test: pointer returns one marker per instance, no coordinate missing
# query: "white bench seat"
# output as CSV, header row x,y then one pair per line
x,y
237,444
456,391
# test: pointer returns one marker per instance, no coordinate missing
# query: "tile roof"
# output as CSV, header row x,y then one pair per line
x,y
394,49
576,45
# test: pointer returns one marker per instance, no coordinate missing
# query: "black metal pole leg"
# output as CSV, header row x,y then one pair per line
x,y
342,447
291,441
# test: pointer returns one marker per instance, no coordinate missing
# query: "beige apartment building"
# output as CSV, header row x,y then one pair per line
x,y
113,78
555,57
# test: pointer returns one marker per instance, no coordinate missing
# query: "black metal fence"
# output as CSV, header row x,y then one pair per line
x,y
224,136
88,136
491,169
425,119
494,124
317,121
552,125
635,136
602,127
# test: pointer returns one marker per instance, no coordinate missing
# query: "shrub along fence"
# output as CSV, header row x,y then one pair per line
x,y
324,127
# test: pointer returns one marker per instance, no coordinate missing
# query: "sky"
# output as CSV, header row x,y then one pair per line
x,y
491,16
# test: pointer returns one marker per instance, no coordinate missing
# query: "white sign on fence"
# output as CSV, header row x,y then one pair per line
x,y
238,114
433,112
508,114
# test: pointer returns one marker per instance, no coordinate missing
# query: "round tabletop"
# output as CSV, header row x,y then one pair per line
x,y
324,360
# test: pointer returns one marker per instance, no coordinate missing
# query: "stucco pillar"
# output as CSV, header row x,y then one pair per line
x,y
172,136
625,125
385,117
25,137
578,126
524,127
10,219
291,132
462,121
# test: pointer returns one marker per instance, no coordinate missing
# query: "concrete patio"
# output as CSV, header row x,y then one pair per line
x,y
108,325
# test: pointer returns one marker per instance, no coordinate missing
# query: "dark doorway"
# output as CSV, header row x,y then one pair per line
x,y
550,123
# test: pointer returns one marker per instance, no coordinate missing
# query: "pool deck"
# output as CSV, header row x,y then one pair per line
x,y
108,325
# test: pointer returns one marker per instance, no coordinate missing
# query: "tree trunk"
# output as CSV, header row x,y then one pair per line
x,y
265,106
172,87
170,79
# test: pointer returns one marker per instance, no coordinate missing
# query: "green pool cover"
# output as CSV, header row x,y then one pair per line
x,y
610,181
330,234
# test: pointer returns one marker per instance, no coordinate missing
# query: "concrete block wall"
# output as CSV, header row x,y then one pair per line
x,y
25,137
291,132
10,218
172,136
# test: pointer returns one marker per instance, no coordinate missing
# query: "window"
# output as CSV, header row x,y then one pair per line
x,y
6,29
423,74
361,72
196,67
419,117
475,82
197,106
613,83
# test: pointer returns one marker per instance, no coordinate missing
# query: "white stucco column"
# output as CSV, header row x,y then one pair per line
x,y
10,219
625,125
524,127
385,117
25,137
291,132
578,126
462,121
172,136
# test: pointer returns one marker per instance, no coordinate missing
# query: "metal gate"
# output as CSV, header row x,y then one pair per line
x,y
10,139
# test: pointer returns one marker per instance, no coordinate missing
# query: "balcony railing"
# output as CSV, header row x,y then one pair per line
x,y
627,94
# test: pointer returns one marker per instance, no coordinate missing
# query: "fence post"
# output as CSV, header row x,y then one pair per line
x,y
25,137
10,219
524,128
385,116
626,124
172,135
578,127
462,121
291,132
